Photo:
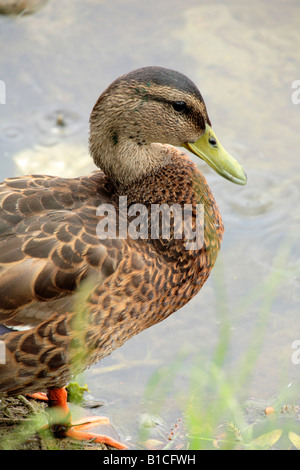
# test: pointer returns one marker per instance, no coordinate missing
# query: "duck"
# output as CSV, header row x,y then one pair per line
x,y
130,243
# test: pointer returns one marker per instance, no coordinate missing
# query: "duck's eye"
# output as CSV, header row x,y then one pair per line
x,y
179,106
212,141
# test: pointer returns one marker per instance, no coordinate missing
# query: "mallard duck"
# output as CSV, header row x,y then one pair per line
x,y
54,235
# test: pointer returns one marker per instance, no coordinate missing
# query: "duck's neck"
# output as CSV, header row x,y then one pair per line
x,y
123,159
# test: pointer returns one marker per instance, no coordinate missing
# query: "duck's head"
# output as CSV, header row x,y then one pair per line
x,y
144,109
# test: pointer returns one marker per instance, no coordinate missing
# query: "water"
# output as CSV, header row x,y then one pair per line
x,y
244,58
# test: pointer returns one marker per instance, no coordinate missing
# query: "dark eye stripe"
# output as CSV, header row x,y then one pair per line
x,y
190,113
177,105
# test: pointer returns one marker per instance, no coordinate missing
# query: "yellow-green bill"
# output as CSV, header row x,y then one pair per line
x,y
211,151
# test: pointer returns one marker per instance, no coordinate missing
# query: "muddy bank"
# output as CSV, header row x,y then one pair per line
x,y
21,420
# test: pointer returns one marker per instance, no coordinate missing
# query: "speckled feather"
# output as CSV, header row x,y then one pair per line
x,y
49,246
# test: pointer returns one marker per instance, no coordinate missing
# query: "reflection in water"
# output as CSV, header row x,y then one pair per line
x,y
60,159
244,58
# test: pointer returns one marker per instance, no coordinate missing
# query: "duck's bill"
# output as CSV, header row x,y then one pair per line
x,y
211,151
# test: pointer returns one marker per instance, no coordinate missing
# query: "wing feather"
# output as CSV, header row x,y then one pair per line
x,y
48,241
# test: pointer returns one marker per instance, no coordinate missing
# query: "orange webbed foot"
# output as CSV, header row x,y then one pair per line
x,y
77,431
63,425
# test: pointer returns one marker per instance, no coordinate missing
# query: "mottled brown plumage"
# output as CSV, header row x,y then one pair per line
x,y
49,245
